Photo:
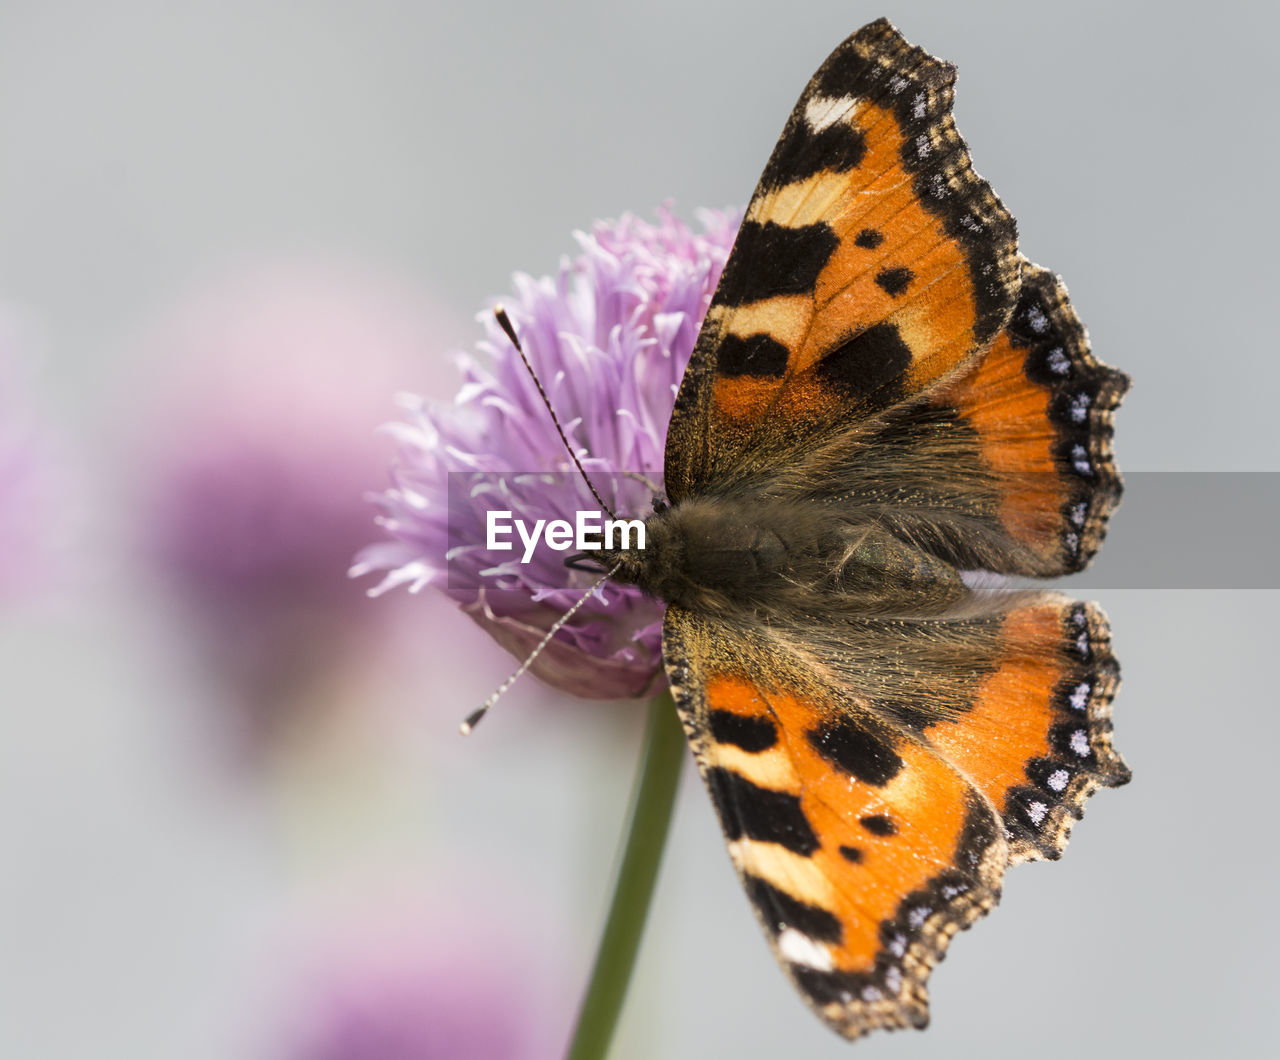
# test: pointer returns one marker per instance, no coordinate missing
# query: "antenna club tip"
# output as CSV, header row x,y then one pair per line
x,y
504,322
469,722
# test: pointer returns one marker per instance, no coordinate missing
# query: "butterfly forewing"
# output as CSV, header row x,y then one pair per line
x,y
872,264
861,848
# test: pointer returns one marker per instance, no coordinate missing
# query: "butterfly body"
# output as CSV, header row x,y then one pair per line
x,y
773,559
884,393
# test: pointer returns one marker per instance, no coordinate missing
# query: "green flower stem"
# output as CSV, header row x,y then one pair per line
x,y
653,796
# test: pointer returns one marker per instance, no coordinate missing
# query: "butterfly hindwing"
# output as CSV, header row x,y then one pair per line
x,y
872,264
1035,734
1040,408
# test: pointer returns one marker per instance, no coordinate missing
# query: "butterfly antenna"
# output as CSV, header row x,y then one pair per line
x,y
504,322
474,717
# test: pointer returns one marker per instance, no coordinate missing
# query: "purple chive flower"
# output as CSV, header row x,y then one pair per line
x,y
254,460
609,337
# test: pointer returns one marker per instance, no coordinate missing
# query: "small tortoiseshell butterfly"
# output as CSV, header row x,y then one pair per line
x,y
884,395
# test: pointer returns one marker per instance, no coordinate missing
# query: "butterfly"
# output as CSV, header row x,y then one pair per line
x,y
884,398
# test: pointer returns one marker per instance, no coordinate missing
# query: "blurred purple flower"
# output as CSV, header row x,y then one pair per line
x,y
400,985
609,337
255,462
29,478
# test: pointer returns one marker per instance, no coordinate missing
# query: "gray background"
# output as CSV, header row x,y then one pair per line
x,y
149,146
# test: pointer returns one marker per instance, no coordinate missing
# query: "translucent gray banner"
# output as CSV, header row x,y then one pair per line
x,y
1191,530
1173,530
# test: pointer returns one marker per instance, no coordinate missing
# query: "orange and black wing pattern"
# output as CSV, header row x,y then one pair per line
x,y
872,265
1039,408
1035,736
883,383
861,849
872,788
1008,468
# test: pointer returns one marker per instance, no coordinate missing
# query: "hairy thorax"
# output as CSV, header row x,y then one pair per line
x,y
719,554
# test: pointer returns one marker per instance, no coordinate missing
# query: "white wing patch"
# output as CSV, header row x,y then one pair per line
x,y
799,948
822,112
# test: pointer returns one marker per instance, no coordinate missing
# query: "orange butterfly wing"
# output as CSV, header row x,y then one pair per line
x,y
872,264
1036,738
1040,408
861,849
870,807
1008,467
